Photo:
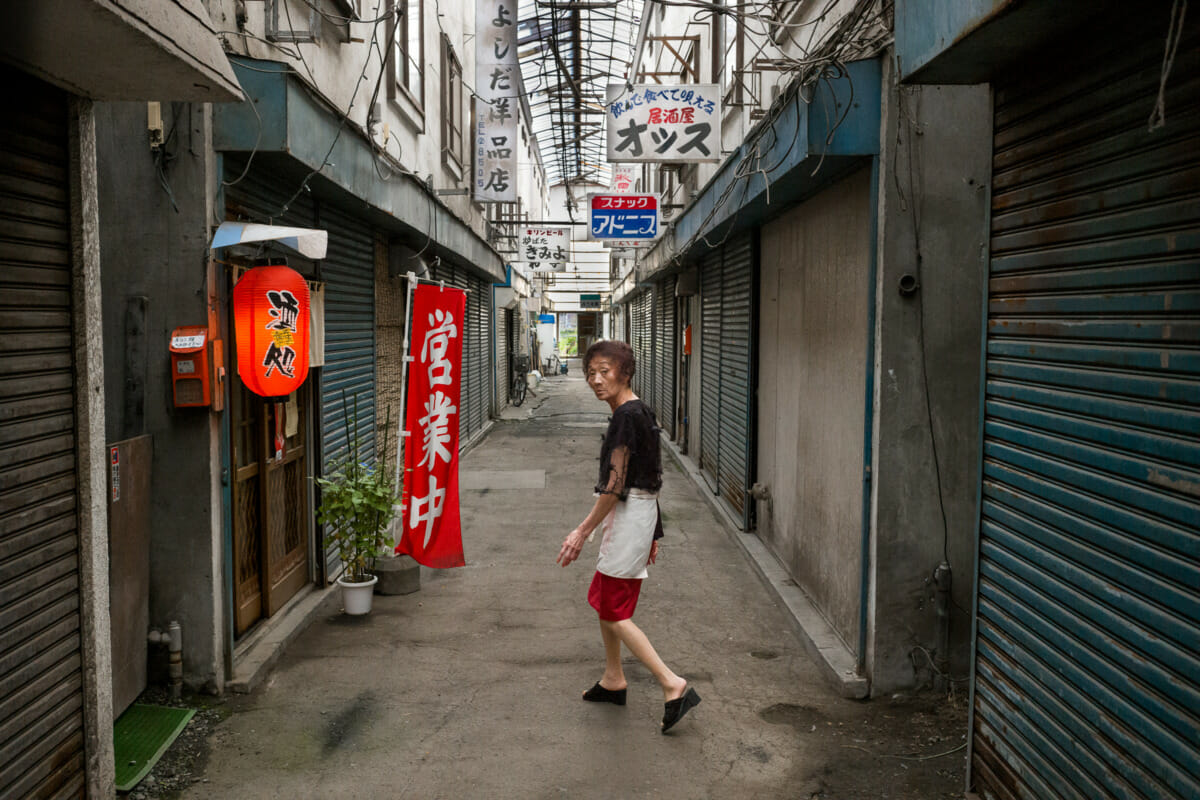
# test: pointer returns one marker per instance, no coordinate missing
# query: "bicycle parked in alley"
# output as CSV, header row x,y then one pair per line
x,y
520,382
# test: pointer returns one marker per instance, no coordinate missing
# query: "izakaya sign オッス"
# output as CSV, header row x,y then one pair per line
x,y
431,523
270,316
546,248
623,216
664,123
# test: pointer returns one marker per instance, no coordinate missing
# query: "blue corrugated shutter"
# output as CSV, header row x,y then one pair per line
x,y
349,372
1087,670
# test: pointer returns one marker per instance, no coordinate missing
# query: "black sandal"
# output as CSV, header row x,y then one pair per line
x,y
673,710
598,694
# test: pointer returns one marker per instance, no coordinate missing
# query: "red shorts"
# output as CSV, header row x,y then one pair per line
x,y
614,598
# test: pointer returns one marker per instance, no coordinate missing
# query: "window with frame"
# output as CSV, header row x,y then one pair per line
x,y
408,52
452,107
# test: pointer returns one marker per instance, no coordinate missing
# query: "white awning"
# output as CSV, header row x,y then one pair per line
x,y
308,242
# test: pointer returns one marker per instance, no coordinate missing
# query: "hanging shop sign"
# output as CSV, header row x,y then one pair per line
x,y
623,216
624,179
546,248
432,525
664,123
271,326
627,244
497,87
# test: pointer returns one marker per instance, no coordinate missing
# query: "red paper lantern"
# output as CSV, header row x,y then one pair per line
x,y
270,316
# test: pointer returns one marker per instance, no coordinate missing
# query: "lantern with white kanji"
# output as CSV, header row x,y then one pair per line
x,y
270,314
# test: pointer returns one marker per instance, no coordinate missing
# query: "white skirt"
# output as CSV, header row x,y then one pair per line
x,y
628,533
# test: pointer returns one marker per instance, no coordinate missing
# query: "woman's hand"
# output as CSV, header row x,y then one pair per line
x,y
571,548
653,552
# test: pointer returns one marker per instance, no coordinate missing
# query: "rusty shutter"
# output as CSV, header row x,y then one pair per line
x,y
41,698
1087,672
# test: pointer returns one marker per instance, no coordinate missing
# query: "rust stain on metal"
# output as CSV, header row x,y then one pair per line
x,y
1184,486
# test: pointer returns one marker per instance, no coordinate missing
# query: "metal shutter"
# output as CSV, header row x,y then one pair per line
x,y
1086,662
640,345
502,353
737,289
41,699
349,275
476,386
648,364
710,365
664,354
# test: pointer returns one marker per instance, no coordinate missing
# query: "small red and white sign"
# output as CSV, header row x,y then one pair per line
x,y
432,527
114,460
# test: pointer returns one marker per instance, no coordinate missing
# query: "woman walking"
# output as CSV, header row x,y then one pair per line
x,y
627,505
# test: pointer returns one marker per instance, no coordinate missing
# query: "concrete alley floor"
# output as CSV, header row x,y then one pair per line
x,y
470,688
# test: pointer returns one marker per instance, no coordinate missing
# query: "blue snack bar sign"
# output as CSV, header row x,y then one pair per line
x,y
623,216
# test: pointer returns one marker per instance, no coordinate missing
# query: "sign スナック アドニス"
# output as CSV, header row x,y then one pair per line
x,y
623,216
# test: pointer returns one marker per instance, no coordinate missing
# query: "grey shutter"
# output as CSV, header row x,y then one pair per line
x,y
476,382
664,355
349,275
736,354
1086,662
710,365
41,699
641,335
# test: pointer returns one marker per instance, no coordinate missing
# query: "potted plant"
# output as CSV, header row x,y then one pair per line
x,y
356,507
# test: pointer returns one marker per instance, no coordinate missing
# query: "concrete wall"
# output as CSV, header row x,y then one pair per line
x,y
155,258
934,209
812,387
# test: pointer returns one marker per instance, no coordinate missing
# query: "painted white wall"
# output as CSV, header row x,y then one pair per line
x,y
345,73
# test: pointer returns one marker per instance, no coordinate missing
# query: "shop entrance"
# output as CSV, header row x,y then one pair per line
x,y
270,502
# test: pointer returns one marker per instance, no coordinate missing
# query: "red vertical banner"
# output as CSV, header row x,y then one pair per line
x,y
432,525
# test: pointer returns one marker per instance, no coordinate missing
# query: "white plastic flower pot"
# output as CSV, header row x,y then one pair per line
x,y
356,597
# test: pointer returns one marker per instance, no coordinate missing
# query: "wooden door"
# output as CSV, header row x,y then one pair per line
x,y
270,498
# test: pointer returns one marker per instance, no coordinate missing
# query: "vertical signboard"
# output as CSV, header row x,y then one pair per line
x,y
545,248
432,527
497,84
664,123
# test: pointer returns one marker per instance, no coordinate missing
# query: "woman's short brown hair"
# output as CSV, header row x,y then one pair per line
x,y
619,353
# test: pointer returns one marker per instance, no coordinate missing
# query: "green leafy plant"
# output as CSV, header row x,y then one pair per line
x,y
357,501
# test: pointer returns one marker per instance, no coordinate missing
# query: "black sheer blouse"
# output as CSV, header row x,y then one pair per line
x,y
632,430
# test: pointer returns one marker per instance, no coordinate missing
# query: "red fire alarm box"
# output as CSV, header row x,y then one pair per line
x,y
189,366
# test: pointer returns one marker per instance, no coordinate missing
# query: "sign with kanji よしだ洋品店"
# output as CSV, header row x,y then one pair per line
x,y
664,123
431,525
623,216
497,103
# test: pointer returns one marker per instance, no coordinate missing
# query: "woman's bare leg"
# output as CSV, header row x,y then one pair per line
x,y
631,636
614,675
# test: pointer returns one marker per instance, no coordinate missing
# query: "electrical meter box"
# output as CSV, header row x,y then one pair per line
x,y
189,367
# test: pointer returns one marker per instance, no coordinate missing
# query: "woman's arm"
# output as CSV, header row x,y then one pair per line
x,y
573,545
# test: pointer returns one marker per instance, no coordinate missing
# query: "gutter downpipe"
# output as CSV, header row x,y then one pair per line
x,y
864,589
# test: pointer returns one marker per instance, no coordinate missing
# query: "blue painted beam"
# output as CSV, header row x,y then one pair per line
x,y
292,120
819,134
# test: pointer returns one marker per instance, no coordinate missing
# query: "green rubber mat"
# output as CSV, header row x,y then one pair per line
x,y
141,736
